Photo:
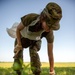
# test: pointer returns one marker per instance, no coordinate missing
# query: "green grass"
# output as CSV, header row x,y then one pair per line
x,y
60,68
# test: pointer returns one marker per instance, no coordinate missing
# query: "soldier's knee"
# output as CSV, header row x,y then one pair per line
x,y
38,45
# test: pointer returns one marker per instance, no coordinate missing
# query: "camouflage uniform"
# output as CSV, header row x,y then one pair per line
x,y
34,46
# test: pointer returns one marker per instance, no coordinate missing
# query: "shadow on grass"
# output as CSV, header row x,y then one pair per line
x,y
45,71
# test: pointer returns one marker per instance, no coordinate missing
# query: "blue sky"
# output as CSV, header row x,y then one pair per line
x,y
64,44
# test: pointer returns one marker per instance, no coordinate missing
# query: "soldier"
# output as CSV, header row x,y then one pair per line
x,y
32,28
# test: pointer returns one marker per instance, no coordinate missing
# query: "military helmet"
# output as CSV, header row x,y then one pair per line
x,y
54,13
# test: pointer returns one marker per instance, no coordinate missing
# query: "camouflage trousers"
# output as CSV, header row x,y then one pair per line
x,y
34,47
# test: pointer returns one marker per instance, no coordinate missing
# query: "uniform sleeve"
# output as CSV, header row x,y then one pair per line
x,y
24,20
50,37
27,19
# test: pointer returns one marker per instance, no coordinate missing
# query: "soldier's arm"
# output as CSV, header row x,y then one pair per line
x,y
18,34
18,47
50,55
50,39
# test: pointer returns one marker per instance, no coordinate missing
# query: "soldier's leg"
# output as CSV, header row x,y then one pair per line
x,y
25,43
34,58
19,61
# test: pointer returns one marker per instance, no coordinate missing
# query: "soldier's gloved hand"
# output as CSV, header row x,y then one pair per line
x,y
16,50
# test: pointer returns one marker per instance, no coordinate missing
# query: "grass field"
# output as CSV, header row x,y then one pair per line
x,y
60,68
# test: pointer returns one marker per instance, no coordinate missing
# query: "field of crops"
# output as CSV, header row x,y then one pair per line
x,y
60,68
